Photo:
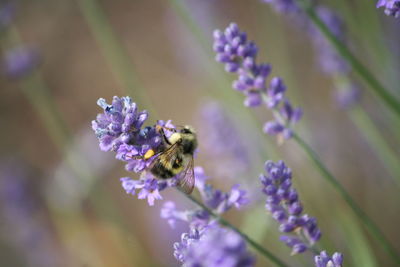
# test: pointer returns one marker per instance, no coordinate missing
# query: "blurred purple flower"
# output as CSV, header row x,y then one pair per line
x,y
284,6
392,7
285,207
187,239
231,251
19,61
328,58
23,216
213,246
220,136
197,218
323,260
348,96
239,56
330,62
171,214
7,13
217,200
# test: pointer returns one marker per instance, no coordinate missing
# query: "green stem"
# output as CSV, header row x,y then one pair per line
x,y
371,226
266,253
358,67
218,90
367,128
39,96
115,54
376,141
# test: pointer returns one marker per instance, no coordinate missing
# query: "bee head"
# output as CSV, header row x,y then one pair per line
x,y
188,130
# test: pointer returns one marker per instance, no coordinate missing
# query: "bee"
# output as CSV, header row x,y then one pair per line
x,y
176,157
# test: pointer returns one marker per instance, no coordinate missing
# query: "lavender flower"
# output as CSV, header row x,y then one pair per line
x,y
323,260
19,62
171,214
197,218
149,187
284,205
348,96
7,12
204,229
217,200
330,62
120,128
239,56
284,6
328,58
119,124
187,239
23,216
214,246
220,136
392,7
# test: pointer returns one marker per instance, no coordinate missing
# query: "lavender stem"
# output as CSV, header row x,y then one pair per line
x,y
376,141
39,96
392,102
266,253
359,116
115,54
371,226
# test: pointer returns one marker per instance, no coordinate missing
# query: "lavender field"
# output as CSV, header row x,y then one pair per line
x,y
200,133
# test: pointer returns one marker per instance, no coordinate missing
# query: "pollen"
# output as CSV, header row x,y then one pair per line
x,y
149,154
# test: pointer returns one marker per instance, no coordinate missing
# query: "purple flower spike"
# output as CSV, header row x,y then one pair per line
x,y
285,207
329,61
7,13
253,99
392,7
295,244
240,56
284,6
225,145
348,96
20,61
149,188
276,92
220,201
172,215
150,191
213,246
237,197
273,128
119,129
323,260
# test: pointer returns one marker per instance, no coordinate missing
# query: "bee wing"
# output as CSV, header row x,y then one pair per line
x,y
186,179
167,156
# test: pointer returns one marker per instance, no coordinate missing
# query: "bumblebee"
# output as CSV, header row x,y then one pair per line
x,y
176,157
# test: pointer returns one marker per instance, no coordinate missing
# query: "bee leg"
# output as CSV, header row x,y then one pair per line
x,y
169,129
164,136
135,157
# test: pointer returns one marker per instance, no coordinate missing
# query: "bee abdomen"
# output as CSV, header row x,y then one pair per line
x,y
160,171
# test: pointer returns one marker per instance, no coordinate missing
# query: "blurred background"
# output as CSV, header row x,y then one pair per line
x,y
62,203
